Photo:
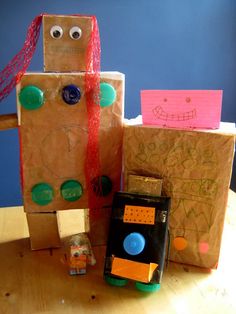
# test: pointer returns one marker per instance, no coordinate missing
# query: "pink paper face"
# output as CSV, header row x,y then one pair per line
x,y
182,108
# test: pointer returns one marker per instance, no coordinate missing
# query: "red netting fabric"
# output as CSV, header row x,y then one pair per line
x,y
14,70
92,89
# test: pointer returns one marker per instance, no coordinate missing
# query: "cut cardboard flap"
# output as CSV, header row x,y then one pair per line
x,y
145,185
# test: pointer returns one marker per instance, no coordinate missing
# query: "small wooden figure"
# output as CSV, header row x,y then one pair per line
x,y
81,254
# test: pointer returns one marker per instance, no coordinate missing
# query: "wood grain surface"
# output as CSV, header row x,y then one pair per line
x,y
38,281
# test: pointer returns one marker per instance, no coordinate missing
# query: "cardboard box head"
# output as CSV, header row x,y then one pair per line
x,y
65,42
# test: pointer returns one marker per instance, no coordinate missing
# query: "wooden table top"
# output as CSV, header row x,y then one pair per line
x,y
38,281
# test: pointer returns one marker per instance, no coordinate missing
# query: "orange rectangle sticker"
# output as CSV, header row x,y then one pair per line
x,y
133,270
139,215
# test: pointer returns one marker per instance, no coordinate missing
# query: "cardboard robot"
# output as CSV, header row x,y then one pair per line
x,y
138,242
70,120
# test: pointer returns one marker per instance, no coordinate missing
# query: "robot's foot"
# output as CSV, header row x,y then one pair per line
x,y
114,281
147,287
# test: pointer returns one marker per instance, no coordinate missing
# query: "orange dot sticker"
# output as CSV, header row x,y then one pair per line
x,y
180,243
203,247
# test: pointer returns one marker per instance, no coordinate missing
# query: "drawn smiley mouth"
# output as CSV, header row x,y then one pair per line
x,y
161,114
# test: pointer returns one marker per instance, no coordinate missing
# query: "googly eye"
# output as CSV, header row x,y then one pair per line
x,y
56,32
75,32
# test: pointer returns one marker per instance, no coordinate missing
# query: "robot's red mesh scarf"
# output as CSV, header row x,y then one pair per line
x,y
16,68
13,72
92,89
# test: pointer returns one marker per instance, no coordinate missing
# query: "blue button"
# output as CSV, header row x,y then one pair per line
x,y
71,94
134,243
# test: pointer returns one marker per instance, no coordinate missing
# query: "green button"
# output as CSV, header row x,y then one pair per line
x,y
107,94
102,186
71,190
42,194
31,97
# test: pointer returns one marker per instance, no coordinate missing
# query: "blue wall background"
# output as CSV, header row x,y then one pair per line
x,y
158,44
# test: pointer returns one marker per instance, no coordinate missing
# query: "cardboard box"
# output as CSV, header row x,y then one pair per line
x,y
43,230
65,54
196,171
97,226
8,121
54,139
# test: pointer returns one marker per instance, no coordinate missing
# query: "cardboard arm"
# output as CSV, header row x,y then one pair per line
x,y
8,121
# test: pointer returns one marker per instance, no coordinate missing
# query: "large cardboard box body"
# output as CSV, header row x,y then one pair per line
x,y
54,139
196,170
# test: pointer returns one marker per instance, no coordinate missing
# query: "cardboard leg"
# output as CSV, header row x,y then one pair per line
x,y
98,227
70,222
43,230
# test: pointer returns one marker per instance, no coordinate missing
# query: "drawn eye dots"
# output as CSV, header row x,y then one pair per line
x,y
180,244
139,215
32,97
187,99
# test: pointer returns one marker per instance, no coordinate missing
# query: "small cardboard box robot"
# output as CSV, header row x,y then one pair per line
x,y
80,255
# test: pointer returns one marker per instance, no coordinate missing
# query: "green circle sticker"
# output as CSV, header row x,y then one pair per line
x,y
31,97
107,94
71,190
42,194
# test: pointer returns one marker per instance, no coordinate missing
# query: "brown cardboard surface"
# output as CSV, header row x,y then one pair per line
x,y
98,227
196,170
54,139
65,54
70,222
8,121
43,230
145,185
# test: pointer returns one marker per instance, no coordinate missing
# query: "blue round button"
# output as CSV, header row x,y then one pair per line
x,y
71,94
134,243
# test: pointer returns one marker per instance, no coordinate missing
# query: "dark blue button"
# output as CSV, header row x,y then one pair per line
x,y
71,94
134,243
